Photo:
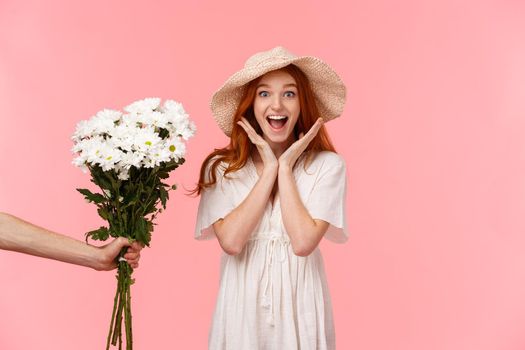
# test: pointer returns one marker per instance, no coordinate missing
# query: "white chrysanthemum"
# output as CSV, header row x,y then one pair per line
x,y
108,157
83,129
89,148
101,124
146,119
176,148
110,114
174,107
158,119
188,131
156,157
143,106
180,124
123,136
123,174
175,117
80,162
97,151
117,141
130,120
130,159
146,139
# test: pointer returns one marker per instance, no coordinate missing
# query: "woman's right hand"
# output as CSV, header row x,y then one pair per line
x,y
265,151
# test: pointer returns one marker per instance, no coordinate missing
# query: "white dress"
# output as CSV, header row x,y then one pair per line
x,y
269,298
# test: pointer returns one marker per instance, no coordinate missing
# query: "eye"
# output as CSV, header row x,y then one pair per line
x,y
289,94
264,93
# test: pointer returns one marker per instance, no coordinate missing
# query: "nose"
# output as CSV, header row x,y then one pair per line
x,y
276,102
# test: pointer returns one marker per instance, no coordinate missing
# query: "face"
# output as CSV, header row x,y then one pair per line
x,y
276,107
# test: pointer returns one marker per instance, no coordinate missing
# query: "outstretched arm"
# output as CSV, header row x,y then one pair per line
x,y
24,237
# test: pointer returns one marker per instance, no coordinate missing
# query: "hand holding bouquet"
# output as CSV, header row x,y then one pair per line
x,y
129,154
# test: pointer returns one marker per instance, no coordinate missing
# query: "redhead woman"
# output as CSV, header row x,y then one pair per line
x,y
269,198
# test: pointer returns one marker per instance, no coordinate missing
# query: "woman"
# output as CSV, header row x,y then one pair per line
x,y
269,197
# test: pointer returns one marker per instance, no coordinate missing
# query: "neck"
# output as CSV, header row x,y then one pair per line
x,y
277,148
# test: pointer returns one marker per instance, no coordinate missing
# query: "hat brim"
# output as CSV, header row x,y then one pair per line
x,y
328,88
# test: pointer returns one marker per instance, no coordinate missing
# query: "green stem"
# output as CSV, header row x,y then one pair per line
x,y
117,332
127,312
115,302
122,309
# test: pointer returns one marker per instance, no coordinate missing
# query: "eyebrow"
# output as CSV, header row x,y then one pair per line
x,y
285,85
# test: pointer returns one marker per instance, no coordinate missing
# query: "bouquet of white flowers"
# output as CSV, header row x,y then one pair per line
x,y
129,155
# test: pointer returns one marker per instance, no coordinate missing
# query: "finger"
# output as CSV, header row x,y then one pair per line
x,y
241,124
137,246
131,256
317,125
249,127
122,242
304,140
252,135
314,129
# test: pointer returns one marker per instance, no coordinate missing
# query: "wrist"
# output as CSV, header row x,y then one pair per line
x,y
285,169
99,259
270,169
96,260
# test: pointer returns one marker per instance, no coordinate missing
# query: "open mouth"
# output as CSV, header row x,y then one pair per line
x,y
277,122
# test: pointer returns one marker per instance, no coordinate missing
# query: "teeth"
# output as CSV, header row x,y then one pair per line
x,y
277,117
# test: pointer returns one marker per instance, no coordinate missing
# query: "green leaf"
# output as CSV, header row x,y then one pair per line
x,y
142,234
163,133
100,234
163,175
174,187
103,182
92,197
163,196
103,212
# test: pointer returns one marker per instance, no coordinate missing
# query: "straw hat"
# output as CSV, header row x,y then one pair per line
x,y
328,88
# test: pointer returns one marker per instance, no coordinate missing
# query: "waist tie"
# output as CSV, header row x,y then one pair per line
x,y
281,244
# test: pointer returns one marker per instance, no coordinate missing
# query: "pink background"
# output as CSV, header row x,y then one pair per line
x,y
433,135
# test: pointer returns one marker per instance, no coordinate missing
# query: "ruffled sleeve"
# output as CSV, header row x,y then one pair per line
x,y
215,204
327,200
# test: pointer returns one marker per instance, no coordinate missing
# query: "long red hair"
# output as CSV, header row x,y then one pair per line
x,y
240,147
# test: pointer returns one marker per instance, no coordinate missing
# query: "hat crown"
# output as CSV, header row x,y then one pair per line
x,y
276,54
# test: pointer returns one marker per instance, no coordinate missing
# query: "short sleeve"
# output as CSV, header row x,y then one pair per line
x,y
327,200
215,204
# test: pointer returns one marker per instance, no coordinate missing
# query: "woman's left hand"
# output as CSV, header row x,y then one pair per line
x,y
289,157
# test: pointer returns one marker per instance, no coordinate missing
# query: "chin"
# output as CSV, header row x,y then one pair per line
x,y
283,138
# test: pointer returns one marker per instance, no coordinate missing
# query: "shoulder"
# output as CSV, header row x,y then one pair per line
x,y
328,159
218,169
223,172
323,163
